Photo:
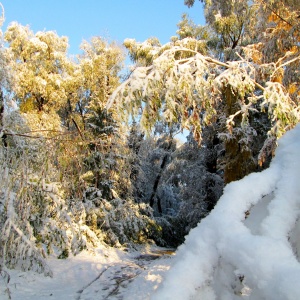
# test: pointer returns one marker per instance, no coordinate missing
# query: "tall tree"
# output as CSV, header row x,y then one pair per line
x,y
99,66
95,76
232,21
184,86
39,64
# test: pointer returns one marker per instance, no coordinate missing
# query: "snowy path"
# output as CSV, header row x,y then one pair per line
x,y
111,282
109,274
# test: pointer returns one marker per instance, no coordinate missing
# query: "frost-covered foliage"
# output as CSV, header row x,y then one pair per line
x,y
248,247
58,147
196,182
39,65
232,24
43,212
155,162
188,90
143,53
36,219
269,29
252,98
196,90
57,144
70,179
181,183
187,28
43,209
119,222
248,96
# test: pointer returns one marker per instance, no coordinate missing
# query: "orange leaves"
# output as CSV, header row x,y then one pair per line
x,y
254,52
294,49
278,76
294,90
272,18
280,21
256,57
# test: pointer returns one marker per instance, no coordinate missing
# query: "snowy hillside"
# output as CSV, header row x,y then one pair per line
x,y
248,247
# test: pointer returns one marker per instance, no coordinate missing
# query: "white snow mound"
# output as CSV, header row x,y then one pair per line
x,y
249,245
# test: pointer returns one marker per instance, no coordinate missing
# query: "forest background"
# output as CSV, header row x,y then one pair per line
x,y
88,153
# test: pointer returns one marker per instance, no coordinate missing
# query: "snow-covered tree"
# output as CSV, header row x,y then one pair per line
x,y
36,218
232,22
187,28
63,184
135,141
196,90
179,83
195,182
94,77
271,32
39,64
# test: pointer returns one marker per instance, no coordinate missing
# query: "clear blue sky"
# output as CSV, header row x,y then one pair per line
x,y
113,19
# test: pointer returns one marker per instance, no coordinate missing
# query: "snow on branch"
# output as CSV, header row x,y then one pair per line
x,y
183,86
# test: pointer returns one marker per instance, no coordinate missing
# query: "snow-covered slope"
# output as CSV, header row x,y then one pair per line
x,y
249,246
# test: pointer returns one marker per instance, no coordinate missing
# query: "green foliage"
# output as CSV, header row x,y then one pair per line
x,y
142,53
188,29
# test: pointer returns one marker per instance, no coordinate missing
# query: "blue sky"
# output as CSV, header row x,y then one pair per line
x,y
113,19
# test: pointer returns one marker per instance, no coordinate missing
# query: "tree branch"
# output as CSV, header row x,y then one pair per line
x,y
277,15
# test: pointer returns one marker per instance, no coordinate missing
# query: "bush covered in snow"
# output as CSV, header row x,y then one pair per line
x,y
119,222
44,211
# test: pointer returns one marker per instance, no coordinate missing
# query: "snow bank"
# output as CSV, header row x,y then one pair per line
x,y
249,246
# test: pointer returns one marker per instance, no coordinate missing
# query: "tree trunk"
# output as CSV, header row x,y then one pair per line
x,y
239,162
3,135
158,177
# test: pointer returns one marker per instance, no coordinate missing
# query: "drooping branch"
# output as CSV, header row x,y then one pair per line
x,y
187,89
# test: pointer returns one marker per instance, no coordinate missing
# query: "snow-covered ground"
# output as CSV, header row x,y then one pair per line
x,y
104,274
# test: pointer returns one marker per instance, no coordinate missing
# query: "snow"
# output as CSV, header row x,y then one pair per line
x,y
106,273
247,248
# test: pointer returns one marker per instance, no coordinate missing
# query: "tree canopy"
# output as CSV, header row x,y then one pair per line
x,y
77,166
186,84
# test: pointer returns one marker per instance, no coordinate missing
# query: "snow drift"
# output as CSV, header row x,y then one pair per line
x,y
249,245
